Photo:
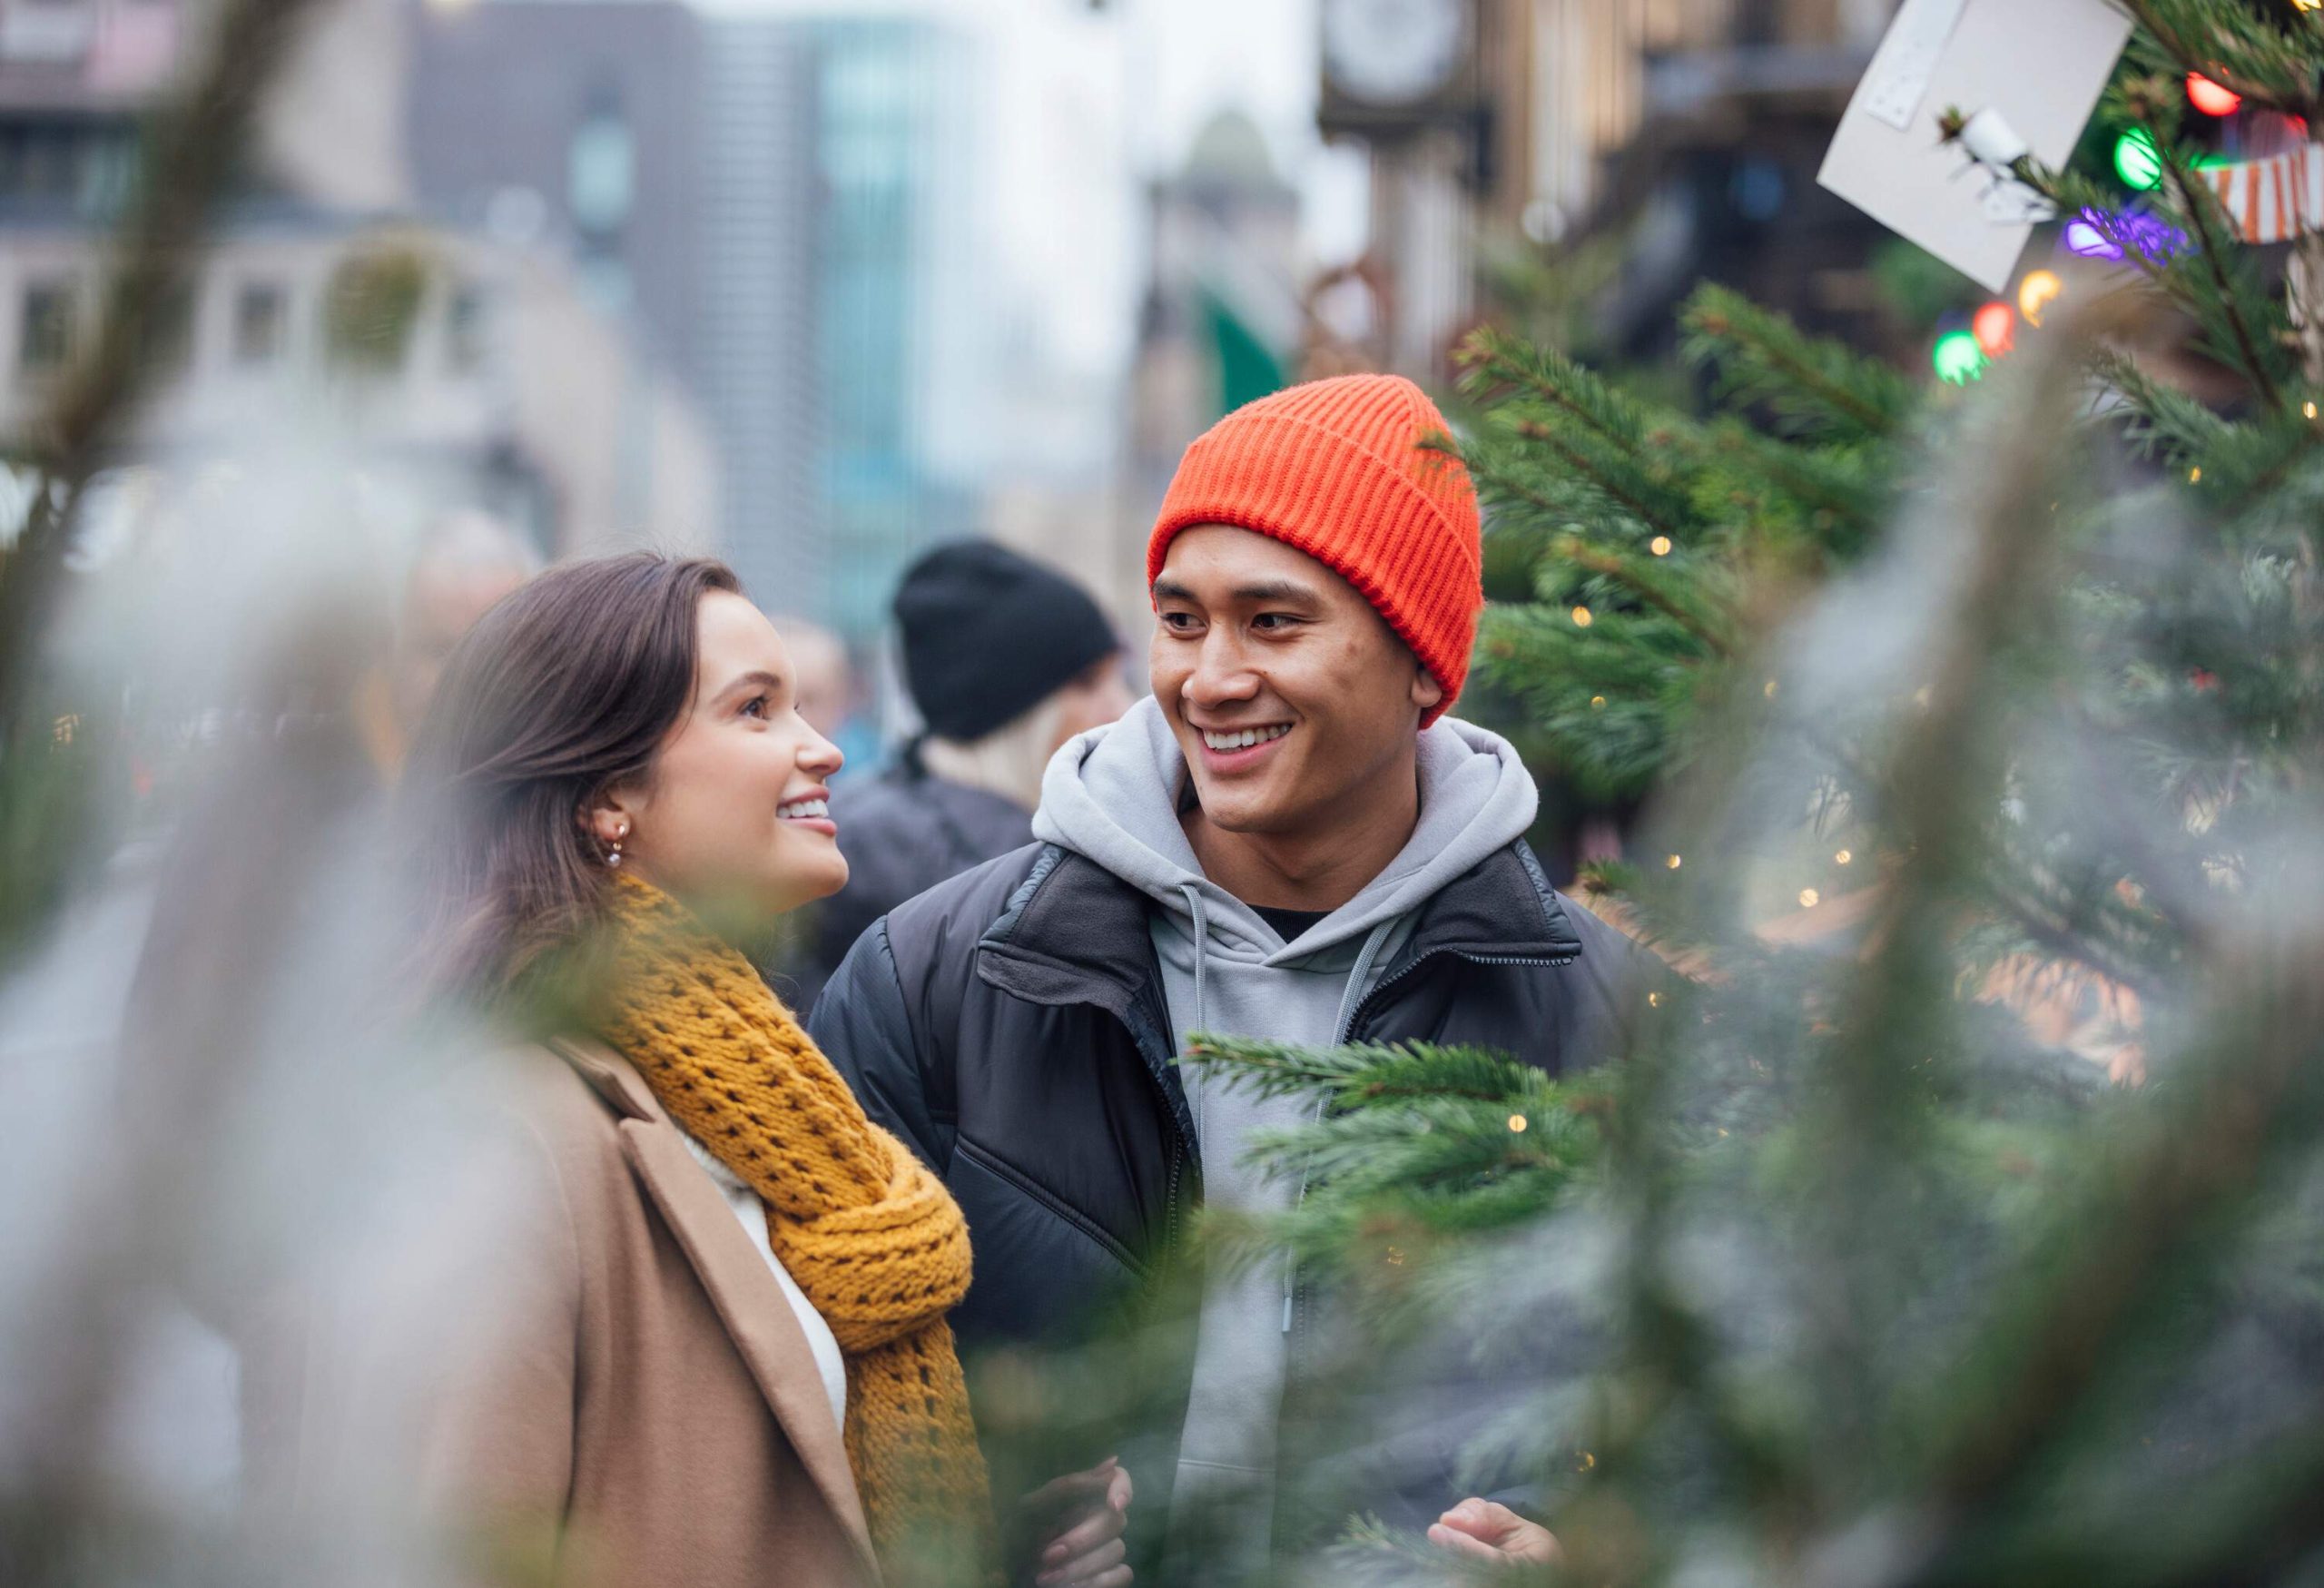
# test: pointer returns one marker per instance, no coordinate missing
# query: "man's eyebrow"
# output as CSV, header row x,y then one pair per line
x,y
1258,591
1274,590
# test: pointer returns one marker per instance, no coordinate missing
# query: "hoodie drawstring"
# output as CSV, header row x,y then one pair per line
x,y
1192,893
1198,1092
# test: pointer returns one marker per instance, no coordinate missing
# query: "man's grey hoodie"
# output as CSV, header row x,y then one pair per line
x,y
1114,795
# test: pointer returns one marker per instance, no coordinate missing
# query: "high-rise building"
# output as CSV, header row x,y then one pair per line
x,y
784,204
895,302
676,157
761,367
579,123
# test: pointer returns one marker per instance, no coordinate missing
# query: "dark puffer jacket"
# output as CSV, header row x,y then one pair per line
x,y
903,833
1011,1025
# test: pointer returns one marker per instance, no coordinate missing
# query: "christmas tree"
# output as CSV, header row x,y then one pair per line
x,y
1949,1217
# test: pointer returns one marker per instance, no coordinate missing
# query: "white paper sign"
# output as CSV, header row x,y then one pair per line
x,y
2039,64
1898,79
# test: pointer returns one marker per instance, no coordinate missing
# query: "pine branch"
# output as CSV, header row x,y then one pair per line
x,y
2113,1250
2198,203
2224,46
1629,577
1573,457
1766,358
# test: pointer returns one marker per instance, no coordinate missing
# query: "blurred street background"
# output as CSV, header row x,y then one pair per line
x,y
820,286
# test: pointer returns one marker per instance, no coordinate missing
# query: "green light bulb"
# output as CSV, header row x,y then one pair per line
x,y
1958,358
2137,161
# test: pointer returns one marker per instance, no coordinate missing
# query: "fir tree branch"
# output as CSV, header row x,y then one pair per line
x,y
2112,1251
1533,429
1624,574
2198,201
2285,92
1725,319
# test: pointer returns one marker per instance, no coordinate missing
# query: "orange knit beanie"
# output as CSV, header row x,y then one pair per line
x,y
1335,469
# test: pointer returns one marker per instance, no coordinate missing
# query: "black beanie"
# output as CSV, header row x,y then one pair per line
x,y
987,634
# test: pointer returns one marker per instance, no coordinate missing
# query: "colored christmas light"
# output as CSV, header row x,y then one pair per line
x,y
2036,292
1958,358
2137,161
2152,236
1995,328
2094,234
2084,239
2209,98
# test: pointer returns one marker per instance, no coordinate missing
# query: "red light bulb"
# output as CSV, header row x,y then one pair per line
x,y
2209,98
1995,328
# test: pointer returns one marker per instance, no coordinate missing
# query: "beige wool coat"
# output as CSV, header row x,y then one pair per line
x,y
633,1402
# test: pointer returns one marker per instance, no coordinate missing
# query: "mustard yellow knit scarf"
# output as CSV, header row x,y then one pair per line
x,y
872,1237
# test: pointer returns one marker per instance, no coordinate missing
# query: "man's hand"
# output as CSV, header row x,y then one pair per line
x,y
1484,1531
1085,1515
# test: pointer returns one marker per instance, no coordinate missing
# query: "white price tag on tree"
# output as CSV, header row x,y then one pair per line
x,y
2036,66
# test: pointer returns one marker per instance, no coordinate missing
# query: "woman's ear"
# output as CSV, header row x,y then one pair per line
x,y
611,816
1427,692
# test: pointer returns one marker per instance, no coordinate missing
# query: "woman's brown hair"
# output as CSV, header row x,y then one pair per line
x,y
565,687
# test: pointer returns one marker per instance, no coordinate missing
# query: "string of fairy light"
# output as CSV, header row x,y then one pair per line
x,y
1963,352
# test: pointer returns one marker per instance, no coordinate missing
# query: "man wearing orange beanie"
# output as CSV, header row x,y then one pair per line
x,y
1291,841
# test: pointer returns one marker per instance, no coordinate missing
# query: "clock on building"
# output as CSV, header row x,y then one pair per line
x,y
1395,53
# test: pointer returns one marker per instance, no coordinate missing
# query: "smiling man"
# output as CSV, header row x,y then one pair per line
x,y
1290,841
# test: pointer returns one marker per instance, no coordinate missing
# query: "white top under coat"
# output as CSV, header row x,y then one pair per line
x,y
752,1213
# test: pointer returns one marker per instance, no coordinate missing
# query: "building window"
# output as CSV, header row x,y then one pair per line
x,y
601,173
169,332
463,329
262,323
44,337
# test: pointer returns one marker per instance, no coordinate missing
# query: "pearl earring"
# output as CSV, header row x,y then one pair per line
x,y
620,835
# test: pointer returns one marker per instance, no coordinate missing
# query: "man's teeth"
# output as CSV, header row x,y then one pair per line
x,y
798,810
1245,739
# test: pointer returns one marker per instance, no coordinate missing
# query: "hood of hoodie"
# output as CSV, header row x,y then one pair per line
x,y
1112,795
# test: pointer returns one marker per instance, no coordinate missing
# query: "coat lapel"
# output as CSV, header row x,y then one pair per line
x,y
743,1293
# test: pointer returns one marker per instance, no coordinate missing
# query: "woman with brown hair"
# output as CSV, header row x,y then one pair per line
x,y
733,1363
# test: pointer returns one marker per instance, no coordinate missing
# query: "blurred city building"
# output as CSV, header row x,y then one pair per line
x,y
1221,320
896,300
481,365
779,203
760,360
1689,129
670,156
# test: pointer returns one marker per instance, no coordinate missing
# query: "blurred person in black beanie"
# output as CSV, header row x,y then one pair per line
x,y
1006,660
